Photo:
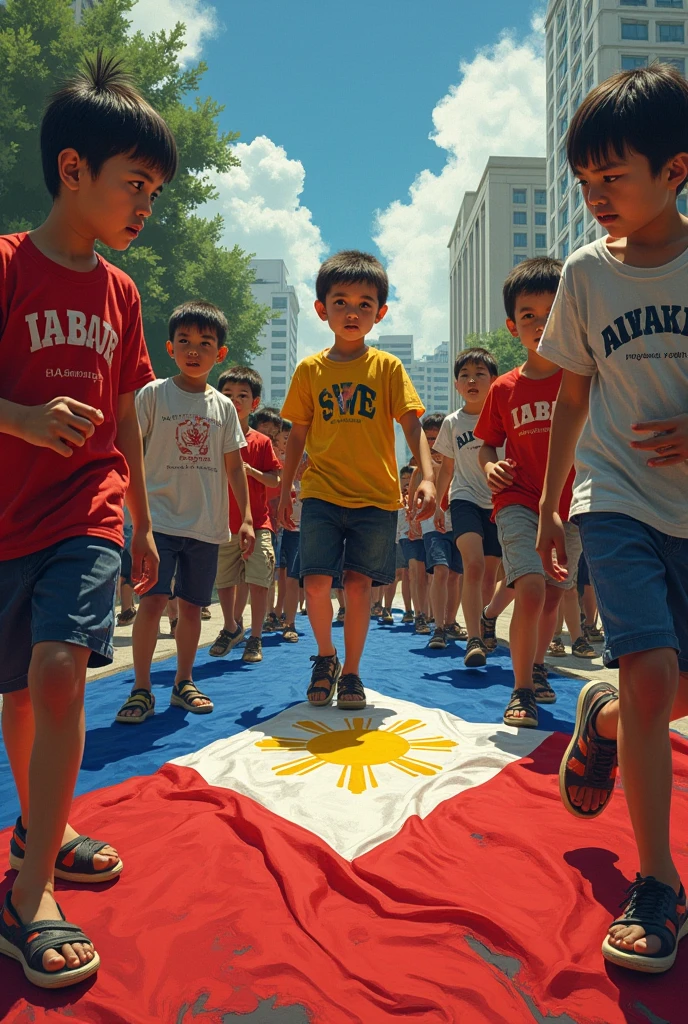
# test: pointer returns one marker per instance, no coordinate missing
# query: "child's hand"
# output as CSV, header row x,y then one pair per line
x,y
285,512
247,540
424,500
145,561
439,520
670,440
551,545
61,425
415,532
500,475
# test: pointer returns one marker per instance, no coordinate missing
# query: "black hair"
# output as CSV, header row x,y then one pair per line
x,y
433,420
100,114
202,315
268,415
348,267
406,471
242,375
285,425
645,110
531,277
479,356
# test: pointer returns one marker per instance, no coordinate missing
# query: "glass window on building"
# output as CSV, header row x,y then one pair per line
x,y
561,17
576,73
590,79
550,40
682,204
279,344
564,249
672,32
576,101
563,184
278,380
563,125
279,303
576,45
633,3
634,30
562,156
578,228
588,45
563,94
678,62
588,12
629,62
562,68
561,42
279,357
278,322
279,334
540,197
677,4
520,217
541,241
541,219
518,195
519,259
520,240
563,218
277,394
577,198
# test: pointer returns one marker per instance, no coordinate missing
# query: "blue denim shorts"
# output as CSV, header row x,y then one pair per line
x,y
364,536
640,576
63,593
414,550
402,560
125,571
192,564
290,553
440,549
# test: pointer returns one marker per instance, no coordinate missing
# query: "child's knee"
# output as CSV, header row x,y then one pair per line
x,y
530,591
474,569
648,682
153,604
356,581
57,676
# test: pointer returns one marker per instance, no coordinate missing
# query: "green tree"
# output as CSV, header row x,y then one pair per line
x,y
180,255
508,351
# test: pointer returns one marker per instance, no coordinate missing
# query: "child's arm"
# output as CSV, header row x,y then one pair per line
x,y
443,480
570,414
59,424
415,532
266,479
500,473
236,475
144,554
424,498
292,458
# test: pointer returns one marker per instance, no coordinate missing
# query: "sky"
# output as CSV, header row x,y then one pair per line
x,y
361,126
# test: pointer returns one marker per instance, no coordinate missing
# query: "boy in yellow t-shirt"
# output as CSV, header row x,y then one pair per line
x,y
343,402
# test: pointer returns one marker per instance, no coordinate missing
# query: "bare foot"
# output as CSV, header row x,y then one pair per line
x,y
44,908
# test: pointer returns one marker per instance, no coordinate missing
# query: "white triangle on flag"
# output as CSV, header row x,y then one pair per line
x,y
354,777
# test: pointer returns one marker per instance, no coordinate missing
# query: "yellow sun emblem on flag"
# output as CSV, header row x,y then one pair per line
x,y
357,748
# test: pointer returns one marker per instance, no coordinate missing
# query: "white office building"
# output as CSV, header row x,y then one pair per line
x,y
82,5
277,362
586,42
500,224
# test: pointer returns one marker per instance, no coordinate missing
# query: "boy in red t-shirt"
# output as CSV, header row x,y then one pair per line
x,y
73,354
518,410
244,386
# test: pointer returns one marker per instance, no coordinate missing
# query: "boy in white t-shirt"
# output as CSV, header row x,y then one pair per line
x,y
618,327
192,438
470,498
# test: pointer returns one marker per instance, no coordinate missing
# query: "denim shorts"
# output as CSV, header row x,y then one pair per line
x,y
517,526
290,553
125,571
402,560
192,564
640,576
440,549
414,550
365,537
583,572
467,517
277,546
64,593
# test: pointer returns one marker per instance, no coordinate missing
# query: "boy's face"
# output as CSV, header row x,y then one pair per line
x,y
473,383
114,206
281,443
269,429
405,481
242,396
431,435
624,196
195,351
531,315
351,310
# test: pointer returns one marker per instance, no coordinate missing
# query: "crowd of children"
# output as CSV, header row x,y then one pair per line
x,y
259,502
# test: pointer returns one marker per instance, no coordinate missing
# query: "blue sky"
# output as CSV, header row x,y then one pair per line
x,y
335,105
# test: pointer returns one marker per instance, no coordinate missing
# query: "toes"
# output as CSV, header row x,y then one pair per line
x,y
52,961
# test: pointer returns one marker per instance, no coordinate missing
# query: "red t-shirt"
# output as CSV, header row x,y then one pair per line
x,y
518,411
260,454
78,335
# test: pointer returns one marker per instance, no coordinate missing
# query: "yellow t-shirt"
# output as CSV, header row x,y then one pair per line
x,y
350,409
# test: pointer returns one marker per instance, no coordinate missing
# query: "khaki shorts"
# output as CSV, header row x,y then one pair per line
x,y
517,528
258,568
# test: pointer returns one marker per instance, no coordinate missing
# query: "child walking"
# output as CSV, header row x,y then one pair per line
x,y
343,402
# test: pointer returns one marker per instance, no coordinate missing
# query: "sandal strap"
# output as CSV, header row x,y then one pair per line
x,y
523,699
35,938
84,850
138,699
350,686
188,691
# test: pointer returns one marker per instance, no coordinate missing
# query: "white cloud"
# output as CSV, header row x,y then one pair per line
x,y
262,210
497,109
199,18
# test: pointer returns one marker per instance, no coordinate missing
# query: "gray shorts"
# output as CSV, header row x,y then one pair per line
x,y
517,527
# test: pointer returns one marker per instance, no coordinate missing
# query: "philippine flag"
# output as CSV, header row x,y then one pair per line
x,y
293,866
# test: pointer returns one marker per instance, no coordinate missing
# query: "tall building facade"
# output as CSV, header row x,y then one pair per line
x,y
277,362
82,5
586,42
500,224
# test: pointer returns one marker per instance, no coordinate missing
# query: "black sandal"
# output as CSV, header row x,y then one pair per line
x,y
544,694
184,693
522,699
656,908
125,618
327,669
350,685
140,699
28,942
74,861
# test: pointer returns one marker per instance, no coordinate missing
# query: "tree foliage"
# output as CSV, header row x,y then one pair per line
x,y
508,351
180,255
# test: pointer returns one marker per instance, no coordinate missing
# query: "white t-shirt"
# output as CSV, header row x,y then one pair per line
x,y
402,525
627,328
186,437
456,441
